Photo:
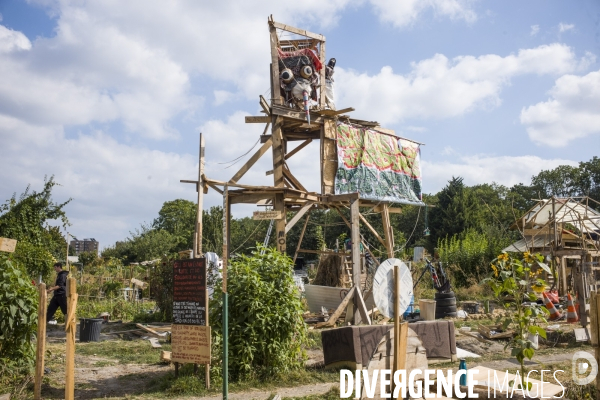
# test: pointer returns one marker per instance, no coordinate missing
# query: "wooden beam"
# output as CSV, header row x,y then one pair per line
x,y
249,198
373,231
389,233
295,114
41,343
265,106
331,113
297,31
364,244
332,198
242,171
297,149
334,317
275,88
362,308
355,237
257,119
264,138
297,217
216,189
301,237
200,201
391,210
290,177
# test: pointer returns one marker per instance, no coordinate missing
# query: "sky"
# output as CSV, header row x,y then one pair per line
x,y
110,96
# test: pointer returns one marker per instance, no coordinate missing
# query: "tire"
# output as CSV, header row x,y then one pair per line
x,y
446,309
449,295
445,312
441,303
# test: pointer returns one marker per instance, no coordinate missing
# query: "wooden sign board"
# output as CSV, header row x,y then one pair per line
x,y
260,215
190,344
189,292
8,245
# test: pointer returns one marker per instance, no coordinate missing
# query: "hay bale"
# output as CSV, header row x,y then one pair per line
x,y
329,271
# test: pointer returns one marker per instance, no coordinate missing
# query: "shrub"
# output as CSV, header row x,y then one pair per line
x,y
266,329
18,315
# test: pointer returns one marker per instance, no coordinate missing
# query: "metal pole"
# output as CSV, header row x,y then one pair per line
x,y
225,298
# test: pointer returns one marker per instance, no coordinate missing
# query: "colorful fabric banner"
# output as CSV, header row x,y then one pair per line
x,y
379,166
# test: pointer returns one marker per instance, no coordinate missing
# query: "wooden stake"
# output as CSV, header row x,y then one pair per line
x,y
70,328
41,343
595,332
355,237
400,330
301,236
199,204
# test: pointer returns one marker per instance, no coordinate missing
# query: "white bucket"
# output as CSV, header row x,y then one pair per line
x,y
427,308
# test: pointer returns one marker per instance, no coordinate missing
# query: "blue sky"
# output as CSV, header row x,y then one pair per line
x,y
110,96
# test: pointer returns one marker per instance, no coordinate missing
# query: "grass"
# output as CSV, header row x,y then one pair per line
x,y
122,351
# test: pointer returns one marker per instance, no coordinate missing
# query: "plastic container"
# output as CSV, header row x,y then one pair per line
x,y
89,329
411,308
427,308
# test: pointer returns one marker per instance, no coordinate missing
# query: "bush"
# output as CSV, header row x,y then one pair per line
x,y
18,315
266,329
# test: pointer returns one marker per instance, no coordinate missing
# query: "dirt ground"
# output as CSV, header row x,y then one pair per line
x,y
107,370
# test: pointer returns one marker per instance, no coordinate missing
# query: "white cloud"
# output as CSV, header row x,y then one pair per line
x,y
478,169
571,112
565,27
12,40
222,96
114,187
534,30
438,87
406,12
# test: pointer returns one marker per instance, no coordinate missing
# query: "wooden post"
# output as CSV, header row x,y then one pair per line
x,y
562,276
226,215
70,328
400,330
586,272
355,237
41,343
199,204
595,332
389,233
301,236
198,242
278,181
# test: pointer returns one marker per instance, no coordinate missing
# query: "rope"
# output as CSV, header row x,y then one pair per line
x,y
249,236
235,160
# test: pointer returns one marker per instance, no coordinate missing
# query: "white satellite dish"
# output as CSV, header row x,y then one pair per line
x,y
383,287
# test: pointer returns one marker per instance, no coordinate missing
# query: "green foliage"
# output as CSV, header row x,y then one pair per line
x,y
161,285
266,329
112,288
18,315
511,281
470,252
87,258
178,217
25,219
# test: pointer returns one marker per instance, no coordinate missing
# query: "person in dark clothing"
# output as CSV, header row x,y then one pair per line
x,y
60,293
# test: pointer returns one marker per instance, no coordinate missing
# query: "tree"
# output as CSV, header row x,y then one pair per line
x,y
562,181
26,220
178,217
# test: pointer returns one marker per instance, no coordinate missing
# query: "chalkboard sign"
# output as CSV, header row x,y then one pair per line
x,y
189,291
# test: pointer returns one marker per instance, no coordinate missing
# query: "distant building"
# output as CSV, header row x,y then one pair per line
x,y
80,246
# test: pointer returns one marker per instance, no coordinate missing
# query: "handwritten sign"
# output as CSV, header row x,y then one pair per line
x,y
190,344
189,292
260,215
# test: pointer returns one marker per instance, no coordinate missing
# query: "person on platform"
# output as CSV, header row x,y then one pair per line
x,y
60,293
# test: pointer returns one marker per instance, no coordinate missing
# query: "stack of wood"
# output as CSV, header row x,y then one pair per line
x,y
152,332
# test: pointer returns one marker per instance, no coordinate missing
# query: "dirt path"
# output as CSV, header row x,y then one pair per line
x,y
298,391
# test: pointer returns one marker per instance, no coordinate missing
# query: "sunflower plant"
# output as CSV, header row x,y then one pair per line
x,y
514,282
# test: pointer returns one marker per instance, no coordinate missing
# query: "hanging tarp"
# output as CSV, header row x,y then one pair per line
x,y
377,165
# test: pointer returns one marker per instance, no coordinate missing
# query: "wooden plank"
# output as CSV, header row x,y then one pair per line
x,y
297,217
154,343
334,198
373,231
294,181
334,317
297,31
362,309
265,106
301,236
257,119
251,198
391,210
246,167
298,148
294,114
8,245
41,343
331,113
152,331
70,328
266,215
275,89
